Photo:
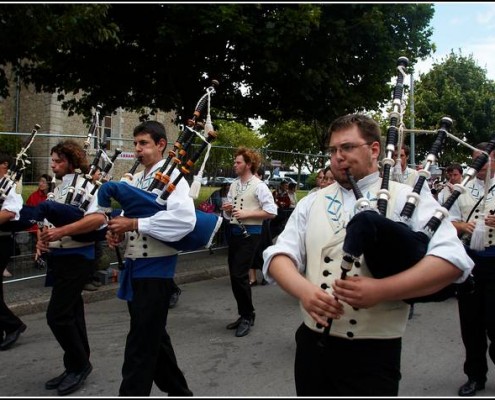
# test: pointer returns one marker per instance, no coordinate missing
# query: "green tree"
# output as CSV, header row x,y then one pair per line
x,y
457,88
231,135
310,62
298,140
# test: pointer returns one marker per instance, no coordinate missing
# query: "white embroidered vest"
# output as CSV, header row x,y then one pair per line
x,y
466,202
246,200
324,256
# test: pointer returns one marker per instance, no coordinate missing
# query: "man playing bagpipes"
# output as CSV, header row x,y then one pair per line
x,y
360,356
472,215
146,281
11,326
69,264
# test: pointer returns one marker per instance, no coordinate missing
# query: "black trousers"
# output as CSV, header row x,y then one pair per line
x,y
9,322
65,312
240,259
149,356
363,367
477,318
265,241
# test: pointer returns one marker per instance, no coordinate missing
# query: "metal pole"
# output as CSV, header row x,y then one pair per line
x,y
412,138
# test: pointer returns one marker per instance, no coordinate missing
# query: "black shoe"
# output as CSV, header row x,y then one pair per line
x,y
174,298
11,338
470,388
73,381
55,382
264,282
234,325
244,326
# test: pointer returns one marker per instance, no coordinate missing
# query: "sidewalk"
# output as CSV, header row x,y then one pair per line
x,y
31,296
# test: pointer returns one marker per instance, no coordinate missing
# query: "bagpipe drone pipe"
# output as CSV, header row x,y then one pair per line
x,y
370,234
138,203
15,171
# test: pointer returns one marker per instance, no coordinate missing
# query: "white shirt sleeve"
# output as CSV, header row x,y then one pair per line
x,y
177,220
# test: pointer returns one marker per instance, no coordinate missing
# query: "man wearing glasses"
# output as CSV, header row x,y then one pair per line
x,y
361,354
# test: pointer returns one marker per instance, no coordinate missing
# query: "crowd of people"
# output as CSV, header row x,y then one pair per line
x,y
350,318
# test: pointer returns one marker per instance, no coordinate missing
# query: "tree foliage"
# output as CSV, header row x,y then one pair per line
x,y
300,139
310,62
231,134
457,88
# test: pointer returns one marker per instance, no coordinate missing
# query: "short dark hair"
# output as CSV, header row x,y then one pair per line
x,y
155,129
454,166
4,157
367,126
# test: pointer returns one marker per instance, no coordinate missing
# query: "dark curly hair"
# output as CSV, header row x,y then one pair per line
x,y
74,153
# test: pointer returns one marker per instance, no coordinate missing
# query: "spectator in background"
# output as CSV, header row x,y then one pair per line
x,y
217,198
45,186
328,178
319,179
282,200
291,192
40,194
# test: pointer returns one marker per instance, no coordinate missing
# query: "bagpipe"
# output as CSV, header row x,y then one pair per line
x,y
138,203
369,234
74,207
16,169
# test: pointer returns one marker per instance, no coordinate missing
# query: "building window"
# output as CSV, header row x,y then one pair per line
x,y
104,133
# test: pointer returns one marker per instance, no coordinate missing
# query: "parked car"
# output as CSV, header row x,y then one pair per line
x,y
274,182
219,180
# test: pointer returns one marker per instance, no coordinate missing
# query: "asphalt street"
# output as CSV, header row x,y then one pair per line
x,y
218,364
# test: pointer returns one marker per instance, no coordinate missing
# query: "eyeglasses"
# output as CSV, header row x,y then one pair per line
x,y
346,148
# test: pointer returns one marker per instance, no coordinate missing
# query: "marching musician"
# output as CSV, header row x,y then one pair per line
x,y
454,175
249,202
11,325
361,354
406,174
69,263
146,282
476,306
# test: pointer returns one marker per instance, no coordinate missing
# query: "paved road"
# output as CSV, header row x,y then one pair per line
x,y
215,362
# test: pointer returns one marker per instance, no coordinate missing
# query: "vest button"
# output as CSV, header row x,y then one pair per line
x,y
353,322
145,254
318,325
355,308
145,238
131,237
327,259
326,272
357,264
324,286
350,334
145,246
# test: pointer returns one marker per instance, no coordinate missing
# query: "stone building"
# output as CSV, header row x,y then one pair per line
x,y
24,108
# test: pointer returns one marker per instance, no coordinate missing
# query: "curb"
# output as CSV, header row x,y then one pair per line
x,y
105,292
